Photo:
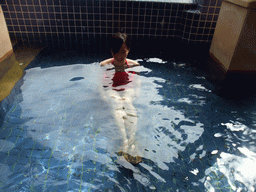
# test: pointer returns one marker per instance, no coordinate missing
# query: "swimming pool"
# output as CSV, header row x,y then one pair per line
x,y
58,132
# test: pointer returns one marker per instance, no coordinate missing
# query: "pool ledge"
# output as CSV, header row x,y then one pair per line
x,y
13,68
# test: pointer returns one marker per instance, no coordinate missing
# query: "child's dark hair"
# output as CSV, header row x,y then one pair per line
x,y
117,41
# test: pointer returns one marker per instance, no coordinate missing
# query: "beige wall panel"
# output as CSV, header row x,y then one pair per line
x,y
245,54
5,42
227,32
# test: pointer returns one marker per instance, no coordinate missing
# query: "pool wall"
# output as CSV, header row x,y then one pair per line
x,y
79,24
5,43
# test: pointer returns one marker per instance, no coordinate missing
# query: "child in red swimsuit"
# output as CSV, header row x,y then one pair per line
x,y
120,47
124,112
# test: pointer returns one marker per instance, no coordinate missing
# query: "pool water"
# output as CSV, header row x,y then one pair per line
x,y
59,130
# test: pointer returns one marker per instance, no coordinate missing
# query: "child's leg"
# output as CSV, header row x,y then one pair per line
x,y
119,113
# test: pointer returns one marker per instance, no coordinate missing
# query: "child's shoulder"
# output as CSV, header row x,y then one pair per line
x,y
107,61
132,62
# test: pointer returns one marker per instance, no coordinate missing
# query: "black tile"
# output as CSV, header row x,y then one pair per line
x,y
109,17
29,29
154,19
195,23
50,9
18,8
37,8
198,37
206,2
57,9
5,8
46,22
135,5
27,22
153,25
205,37
206,31
70,16
215,18
208,24
35,29
70,9
11,8
103,10
200,30
96,23
204,9
179,13
173,19
19,15
43,2
16,2
187,29
211,10
209,17
60,29
52,22
188,22
59,23
21,22
167,13
212,31
66,29
8,21
56,2
45,15
109,10
210,37
77,9
63,3
44,9
49,2
77,16
71,23
16,28
213,3
213,24
193,30
203,17
192,37
201,24
217,11
39,16
10,28
41,29
196,16
219,3
83,9
54,29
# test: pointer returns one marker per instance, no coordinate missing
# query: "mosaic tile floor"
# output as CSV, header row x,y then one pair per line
x,y
59,132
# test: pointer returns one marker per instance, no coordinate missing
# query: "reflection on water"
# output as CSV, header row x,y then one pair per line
x,y
60,133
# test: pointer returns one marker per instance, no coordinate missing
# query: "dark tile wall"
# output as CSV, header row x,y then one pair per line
x,y
78,22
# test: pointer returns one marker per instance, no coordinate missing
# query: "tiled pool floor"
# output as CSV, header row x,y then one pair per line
x,y
58,131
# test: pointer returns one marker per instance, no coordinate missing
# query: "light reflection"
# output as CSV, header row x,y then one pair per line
x,y
233,169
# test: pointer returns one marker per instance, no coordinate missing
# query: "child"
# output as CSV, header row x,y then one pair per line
x,y
122,93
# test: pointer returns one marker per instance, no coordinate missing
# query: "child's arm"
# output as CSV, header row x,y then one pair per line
x,y
105,62
132,63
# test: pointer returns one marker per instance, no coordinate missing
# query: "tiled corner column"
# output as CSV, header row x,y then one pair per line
x,y
5,42
198,25
233,47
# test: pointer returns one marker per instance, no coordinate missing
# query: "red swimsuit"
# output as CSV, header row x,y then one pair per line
x,y
120,77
